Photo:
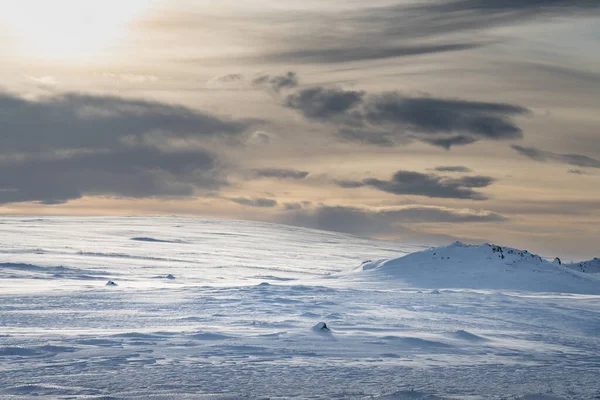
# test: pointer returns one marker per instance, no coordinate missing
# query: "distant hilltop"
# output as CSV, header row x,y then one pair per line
x,y
486,266
590,267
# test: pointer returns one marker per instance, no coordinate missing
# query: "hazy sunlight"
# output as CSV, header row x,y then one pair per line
x,y
67,29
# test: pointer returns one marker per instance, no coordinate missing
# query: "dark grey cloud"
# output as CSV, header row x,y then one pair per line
x,y
129,172
258,202
429,185
453,168
280,173
368,222
293,206
449,141
63,147
391,118
578,160
82,121
323,103
372,137
277,83
433,115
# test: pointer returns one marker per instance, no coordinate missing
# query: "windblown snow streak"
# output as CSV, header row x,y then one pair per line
x,y
209,309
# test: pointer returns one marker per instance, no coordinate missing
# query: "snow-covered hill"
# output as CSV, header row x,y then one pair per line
x,y
590,267
482,267
211,309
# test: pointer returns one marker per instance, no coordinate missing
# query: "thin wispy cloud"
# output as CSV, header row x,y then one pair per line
x,y
536,154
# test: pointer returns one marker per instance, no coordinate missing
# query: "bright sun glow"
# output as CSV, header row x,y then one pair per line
x,y
67,29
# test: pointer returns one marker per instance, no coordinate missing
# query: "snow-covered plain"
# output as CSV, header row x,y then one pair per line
x,y
210,309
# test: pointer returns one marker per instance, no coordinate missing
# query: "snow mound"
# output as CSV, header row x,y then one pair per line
x,y
111,283
321,327
485,266
590,267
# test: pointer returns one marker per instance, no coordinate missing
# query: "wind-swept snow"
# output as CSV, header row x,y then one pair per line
x,y
244,317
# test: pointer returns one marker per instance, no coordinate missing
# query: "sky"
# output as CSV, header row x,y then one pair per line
x,y
423,121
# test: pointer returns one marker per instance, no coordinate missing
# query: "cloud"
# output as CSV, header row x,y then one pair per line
x,y
259,138
322,103
382,221
235,81
372,137
362,53
453,168
83,121
577,172
132,78
258,202
228,78
129,172
434,115
280,173
277,83
400,28
297,206
46,80
420,20
547,156
420,214
63,147
428,185
336,32
490,6
448,142
392,118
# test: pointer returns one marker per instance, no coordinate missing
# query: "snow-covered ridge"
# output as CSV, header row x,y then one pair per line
x,y
590,267
486,266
